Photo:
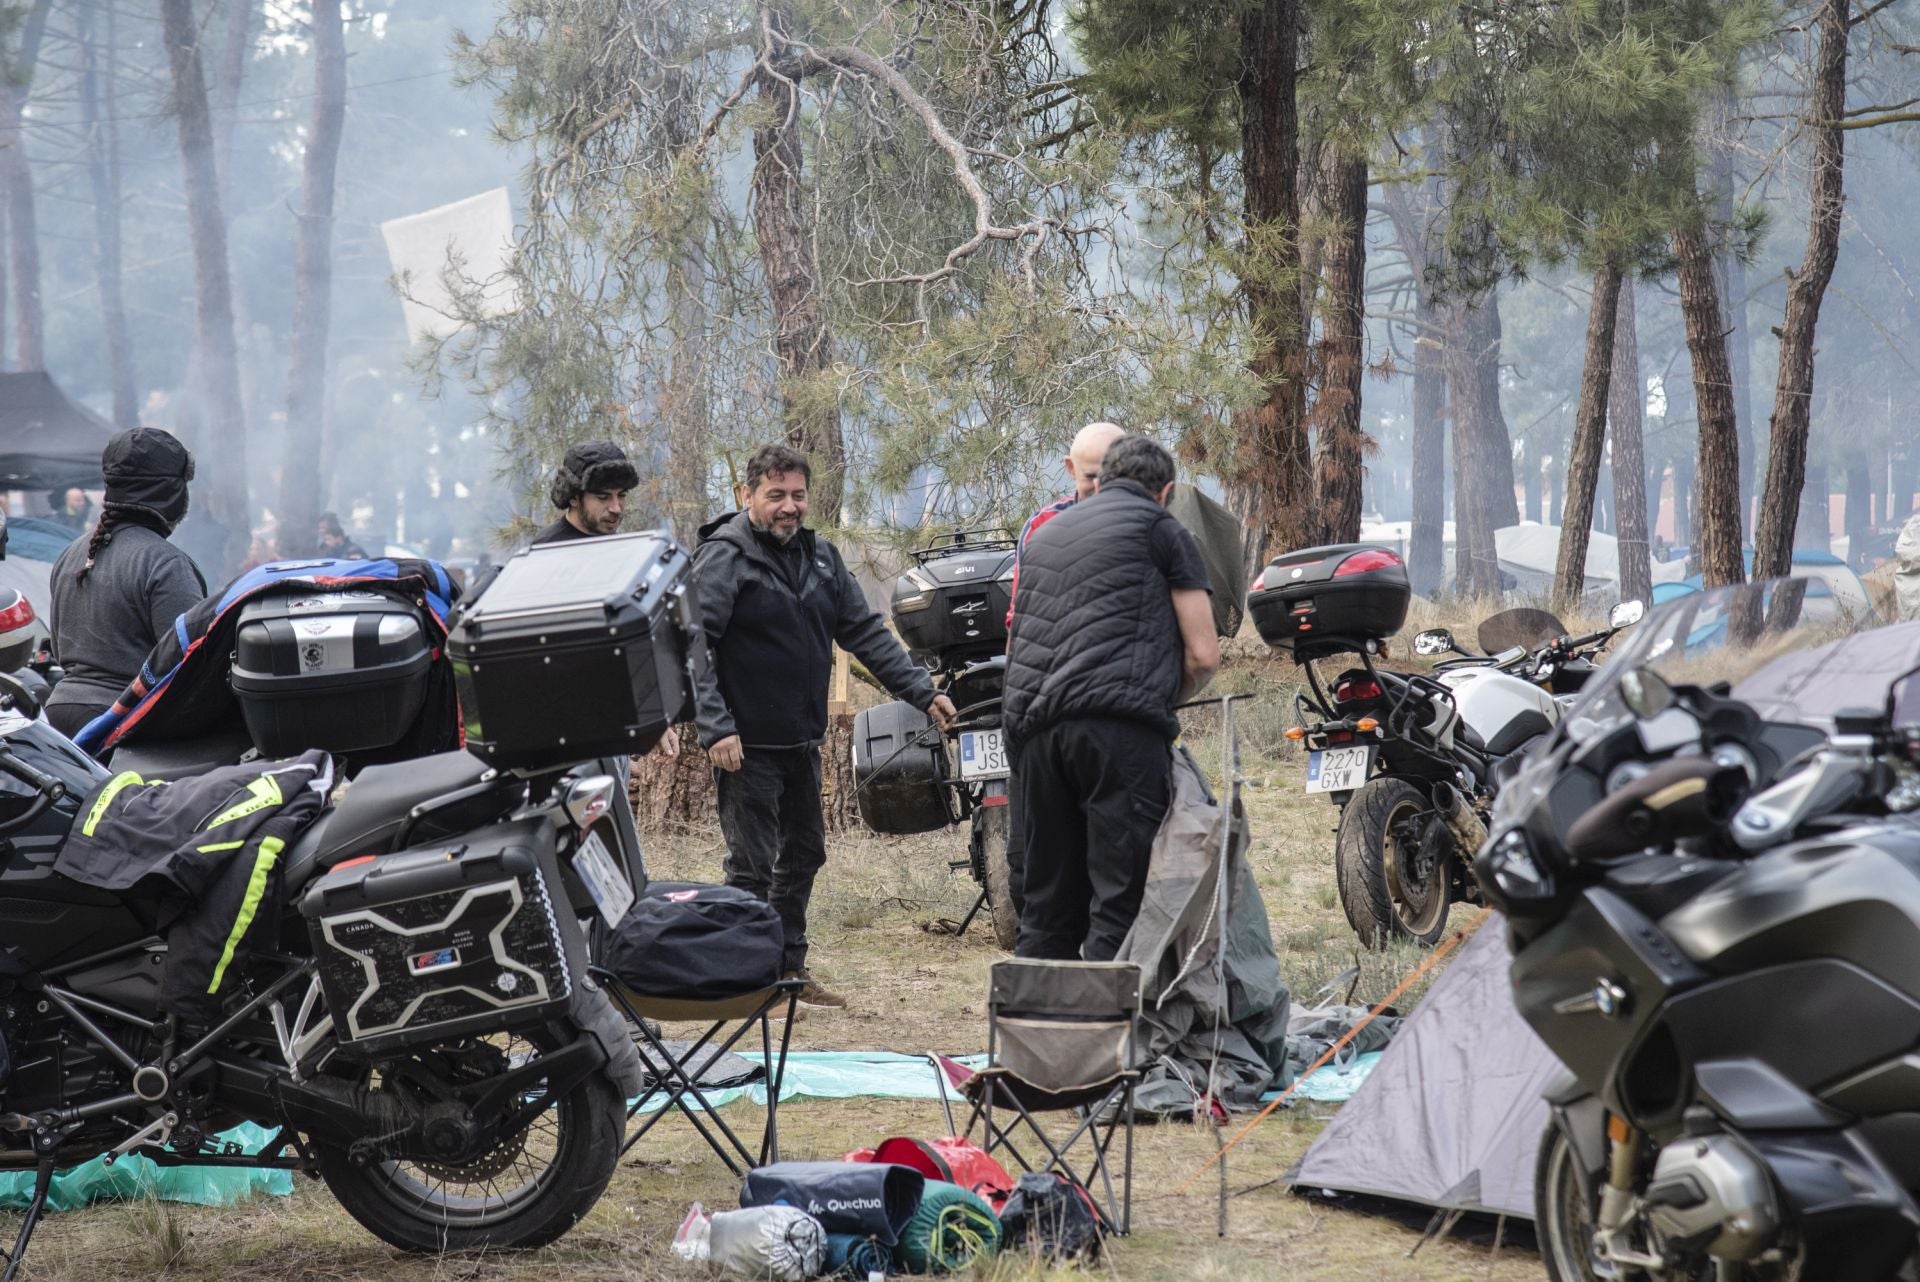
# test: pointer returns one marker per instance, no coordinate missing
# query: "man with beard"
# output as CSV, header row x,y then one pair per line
x,y
116,592
590,489
775,598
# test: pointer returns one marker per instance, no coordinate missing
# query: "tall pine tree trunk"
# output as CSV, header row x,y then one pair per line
x,y
1426,555
1626,405
97,114
1813,525
1490,430
1589,435
801,342
1732,280
1476,559
1716,498
684,403
1533,497
1793,390
313,287
223,459
1273,466
1336,412
23,238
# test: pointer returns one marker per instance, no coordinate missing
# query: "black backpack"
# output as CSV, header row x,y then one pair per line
x,y
686,940
1049,1218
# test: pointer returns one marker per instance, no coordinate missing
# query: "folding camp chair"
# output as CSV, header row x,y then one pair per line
x,y
677,1076
1060,1036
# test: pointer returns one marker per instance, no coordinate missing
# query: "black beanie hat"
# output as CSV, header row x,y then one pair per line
x,y
597,465
146,467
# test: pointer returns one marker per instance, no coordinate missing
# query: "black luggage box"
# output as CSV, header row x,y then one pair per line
x,y
344,671
579,650
900,771
439,942
952,605
1325,600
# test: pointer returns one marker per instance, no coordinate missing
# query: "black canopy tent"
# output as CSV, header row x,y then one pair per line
x,y
46,441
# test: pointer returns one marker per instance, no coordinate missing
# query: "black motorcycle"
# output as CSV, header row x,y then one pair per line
x,y
420,1029
1711,875
951,610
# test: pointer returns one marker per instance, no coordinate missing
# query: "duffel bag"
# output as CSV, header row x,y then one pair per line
x,y
954,1159
867,1199
696,942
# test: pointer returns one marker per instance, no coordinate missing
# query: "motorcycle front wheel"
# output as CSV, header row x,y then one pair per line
x,y
1563,1210
1394,879
526,1191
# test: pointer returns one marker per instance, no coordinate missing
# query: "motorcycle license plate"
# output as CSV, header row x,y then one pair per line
x,y
983,755
1338,769
612,893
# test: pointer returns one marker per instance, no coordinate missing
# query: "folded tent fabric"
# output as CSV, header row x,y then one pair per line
x,y
950,1230
854,1256
870,1199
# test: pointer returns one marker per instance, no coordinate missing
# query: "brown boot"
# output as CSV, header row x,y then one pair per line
x,y
815,994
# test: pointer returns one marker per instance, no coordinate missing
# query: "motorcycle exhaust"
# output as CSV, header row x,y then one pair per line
x,y
1462,824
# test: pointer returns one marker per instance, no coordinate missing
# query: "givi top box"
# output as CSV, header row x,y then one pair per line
x,y
579,650
1325,600
952,605
343,671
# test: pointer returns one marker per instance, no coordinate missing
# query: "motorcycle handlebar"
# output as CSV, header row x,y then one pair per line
x,y
48,786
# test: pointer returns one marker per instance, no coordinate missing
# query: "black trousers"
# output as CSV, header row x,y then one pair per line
x,y
70,718
776,837
1092,794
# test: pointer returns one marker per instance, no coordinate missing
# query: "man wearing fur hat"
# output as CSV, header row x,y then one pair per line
x,y
590,489
116,591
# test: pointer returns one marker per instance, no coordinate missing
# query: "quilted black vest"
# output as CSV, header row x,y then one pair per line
x,y
1094,633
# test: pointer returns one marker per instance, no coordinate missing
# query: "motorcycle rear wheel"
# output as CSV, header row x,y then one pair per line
x,y
564,1160
1377,864
990,827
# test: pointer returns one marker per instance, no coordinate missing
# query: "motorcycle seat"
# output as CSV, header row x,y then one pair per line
x,y
369,818
173,759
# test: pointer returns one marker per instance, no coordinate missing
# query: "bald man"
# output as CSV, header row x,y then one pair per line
x,y
1083,469
1083,460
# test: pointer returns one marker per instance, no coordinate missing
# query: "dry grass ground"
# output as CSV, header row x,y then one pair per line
x,y
912,990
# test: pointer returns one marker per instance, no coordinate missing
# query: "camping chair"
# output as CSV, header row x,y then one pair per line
x,y
1060,1037
677,1076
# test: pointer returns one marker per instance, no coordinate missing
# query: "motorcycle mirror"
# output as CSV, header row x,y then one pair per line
x,y
1646,692
1433,641
19,694
1626,614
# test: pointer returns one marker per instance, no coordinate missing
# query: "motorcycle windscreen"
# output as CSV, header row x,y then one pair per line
x,y
1524,627
1856,672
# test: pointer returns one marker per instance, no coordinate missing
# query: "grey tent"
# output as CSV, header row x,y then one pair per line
x,y
1221,537
1451,1115
46,441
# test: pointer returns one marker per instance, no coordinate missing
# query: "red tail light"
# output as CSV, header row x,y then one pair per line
x,y
1356,690
1259,582
1339,736
1361,562
17,615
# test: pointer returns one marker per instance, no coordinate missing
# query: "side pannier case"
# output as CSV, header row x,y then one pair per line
x,y
899,771
579,650
1325,600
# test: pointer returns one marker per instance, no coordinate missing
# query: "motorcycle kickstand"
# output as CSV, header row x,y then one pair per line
x,y
42,1184
958,929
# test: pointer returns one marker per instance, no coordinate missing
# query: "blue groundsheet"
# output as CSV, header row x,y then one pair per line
x,y
810,1075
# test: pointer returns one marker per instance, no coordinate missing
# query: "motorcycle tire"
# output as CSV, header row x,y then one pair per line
x,y
1563,1202
990,828
1366,863
396,1205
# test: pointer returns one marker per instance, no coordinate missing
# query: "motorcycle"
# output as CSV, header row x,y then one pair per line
x,y
1413,760
950,608
420,1029
1710,872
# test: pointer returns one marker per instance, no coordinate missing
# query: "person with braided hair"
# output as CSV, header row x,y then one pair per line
x,y
117,591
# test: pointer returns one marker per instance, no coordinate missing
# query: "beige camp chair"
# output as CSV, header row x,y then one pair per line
x,y
1060,1037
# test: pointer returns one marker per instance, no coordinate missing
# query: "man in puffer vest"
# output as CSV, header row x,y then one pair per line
x,y
203,855
1113,630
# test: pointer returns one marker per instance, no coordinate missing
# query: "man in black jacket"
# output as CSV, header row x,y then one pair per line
x,y
775,598
1113,631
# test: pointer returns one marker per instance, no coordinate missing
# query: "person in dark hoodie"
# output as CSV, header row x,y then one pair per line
x,y
590,489
117,591
775,598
